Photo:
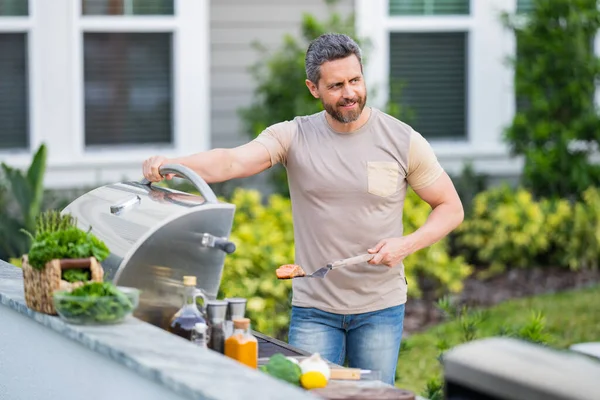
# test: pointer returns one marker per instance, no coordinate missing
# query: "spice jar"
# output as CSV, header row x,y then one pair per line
x,y
242,345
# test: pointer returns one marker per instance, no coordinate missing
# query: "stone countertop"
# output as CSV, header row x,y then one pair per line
x,y
159,356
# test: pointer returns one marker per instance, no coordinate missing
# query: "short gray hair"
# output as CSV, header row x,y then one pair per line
x,y
328,47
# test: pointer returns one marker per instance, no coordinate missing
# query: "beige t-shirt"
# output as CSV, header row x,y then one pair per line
x,y
347,192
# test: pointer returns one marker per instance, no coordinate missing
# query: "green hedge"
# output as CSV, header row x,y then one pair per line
x,y
508,228
264,237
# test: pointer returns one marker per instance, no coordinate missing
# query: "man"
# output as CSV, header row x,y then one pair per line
x,y
348,169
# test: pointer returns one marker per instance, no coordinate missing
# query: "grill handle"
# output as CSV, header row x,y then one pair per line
x,y
191,176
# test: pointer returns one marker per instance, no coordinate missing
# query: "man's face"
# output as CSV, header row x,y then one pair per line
x,y
341,89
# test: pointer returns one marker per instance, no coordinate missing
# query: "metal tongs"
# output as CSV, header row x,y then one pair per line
x,y
321,272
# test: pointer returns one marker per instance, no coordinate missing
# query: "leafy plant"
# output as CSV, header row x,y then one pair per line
x,y
281,92
76,275
556,129
432,267
94,302
27,190
52,221
468,184
434,389
577,234
508,228
470,322
264,237
68,243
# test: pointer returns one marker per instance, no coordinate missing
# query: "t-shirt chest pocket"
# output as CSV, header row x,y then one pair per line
x,y
382,177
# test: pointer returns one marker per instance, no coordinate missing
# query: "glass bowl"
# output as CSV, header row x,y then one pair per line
x,y
96,310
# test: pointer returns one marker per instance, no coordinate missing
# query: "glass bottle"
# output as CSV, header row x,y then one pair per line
x,y
242,345
185,319
199,335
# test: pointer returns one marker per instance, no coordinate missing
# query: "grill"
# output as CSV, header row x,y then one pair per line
x,y
158,235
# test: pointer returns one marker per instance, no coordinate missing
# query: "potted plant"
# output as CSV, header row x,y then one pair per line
x,y
61,257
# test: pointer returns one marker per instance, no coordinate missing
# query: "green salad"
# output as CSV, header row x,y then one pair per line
x,y
94,302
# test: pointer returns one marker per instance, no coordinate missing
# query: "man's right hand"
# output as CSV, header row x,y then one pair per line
x,y
151,166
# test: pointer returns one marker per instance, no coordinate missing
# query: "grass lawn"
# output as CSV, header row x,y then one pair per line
x,y
570,317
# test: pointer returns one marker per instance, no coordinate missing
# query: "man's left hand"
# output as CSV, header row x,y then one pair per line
x,y
391,252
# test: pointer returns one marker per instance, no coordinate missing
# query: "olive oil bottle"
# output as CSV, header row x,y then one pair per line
x,y
186,318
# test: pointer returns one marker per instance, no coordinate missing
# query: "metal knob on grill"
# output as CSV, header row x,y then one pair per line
x,y
147,225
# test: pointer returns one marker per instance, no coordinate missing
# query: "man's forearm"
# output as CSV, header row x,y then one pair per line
x,y
442,220
213,166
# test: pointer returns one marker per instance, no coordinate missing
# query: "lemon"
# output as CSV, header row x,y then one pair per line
x,y
313,380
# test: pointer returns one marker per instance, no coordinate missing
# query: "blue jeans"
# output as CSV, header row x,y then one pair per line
x,y
367,341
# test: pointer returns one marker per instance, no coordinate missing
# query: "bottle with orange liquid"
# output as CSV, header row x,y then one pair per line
x,y
242,345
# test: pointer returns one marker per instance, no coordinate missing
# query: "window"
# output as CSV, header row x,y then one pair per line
x,y
127,7
524,6
14,96
128,88
431,67
128,77
103,83
429,7
14,8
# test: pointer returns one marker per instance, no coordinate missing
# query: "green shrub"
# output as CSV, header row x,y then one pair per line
x,y
556,125
21,201
509,228
577,241
264,237
468,324
433,263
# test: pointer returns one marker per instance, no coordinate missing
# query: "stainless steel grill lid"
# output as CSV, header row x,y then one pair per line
x,y
159,234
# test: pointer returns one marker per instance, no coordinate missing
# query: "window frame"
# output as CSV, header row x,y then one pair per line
x,y
186,57
488,110
56,90
22,24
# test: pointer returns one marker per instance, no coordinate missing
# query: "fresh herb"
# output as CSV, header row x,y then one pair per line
x,y
71,242
76,275
53,221
50,221
94,302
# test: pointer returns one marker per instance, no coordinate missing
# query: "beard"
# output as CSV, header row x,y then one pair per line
x,y
346,116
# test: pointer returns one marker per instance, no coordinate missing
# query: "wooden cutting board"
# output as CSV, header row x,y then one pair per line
x,y
352,392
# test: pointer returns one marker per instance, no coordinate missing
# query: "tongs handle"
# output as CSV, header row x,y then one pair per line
x,y
351,261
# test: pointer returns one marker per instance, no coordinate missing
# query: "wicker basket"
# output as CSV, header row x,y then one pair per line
x,y
41,284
